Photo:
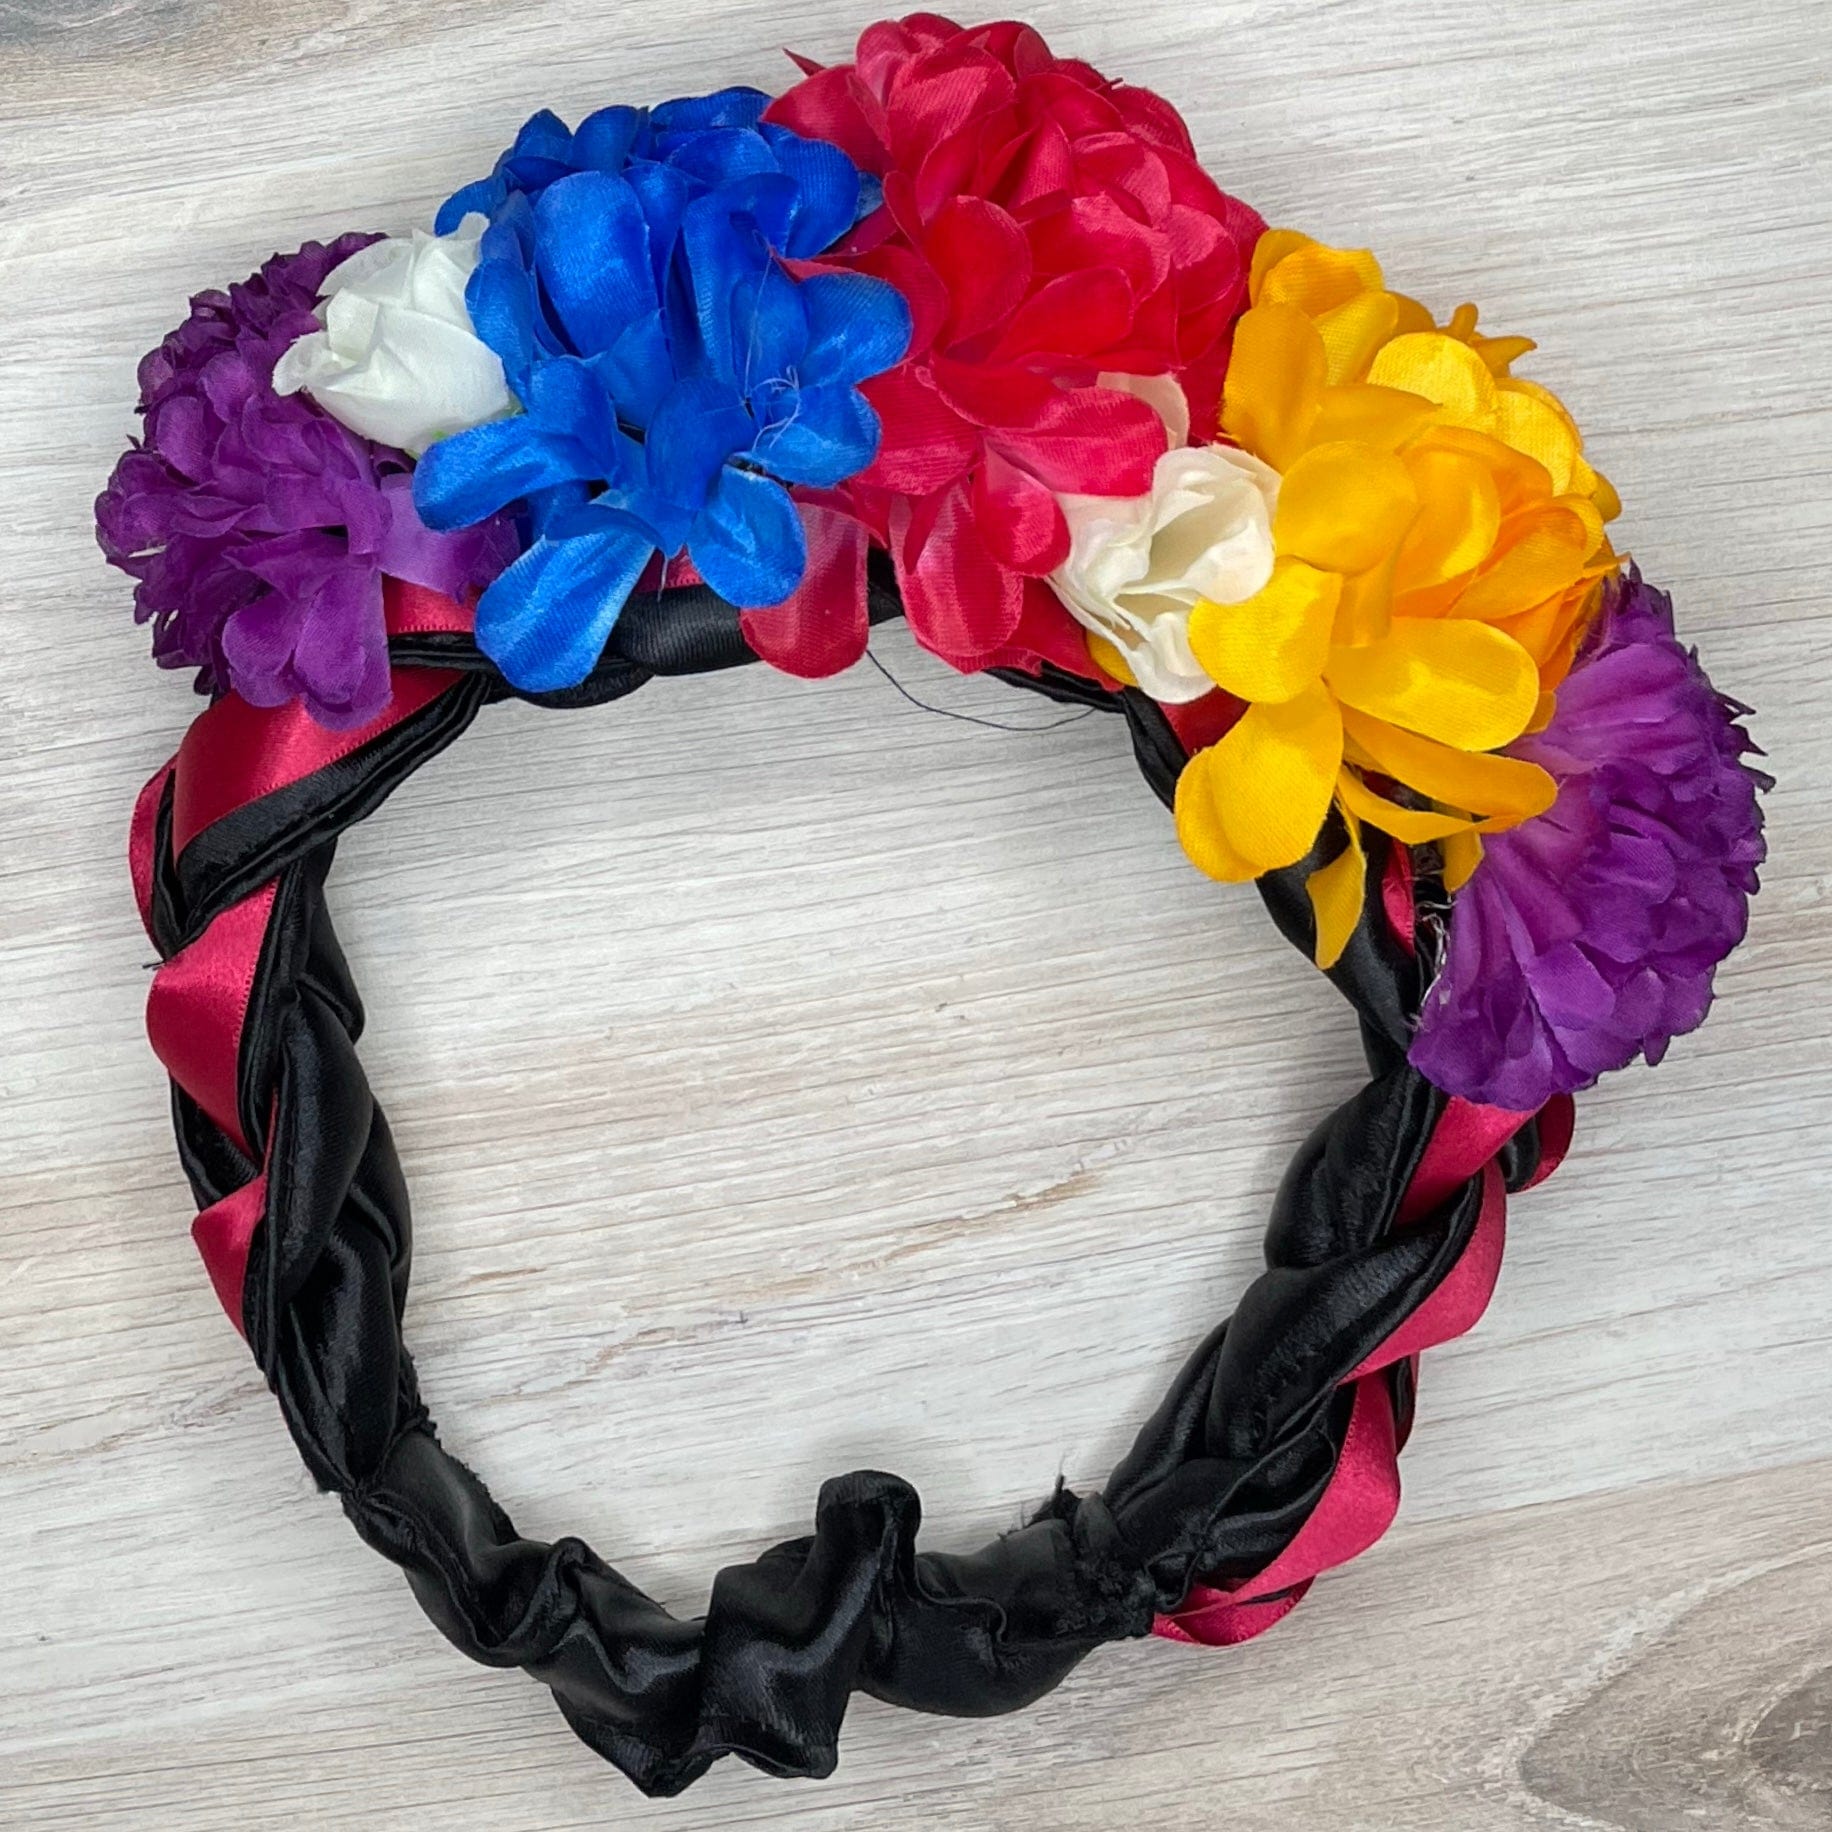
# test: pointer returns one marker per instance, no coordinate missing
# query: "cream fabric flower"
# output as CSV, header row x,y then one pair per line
x,y
1138,565
397,360
1163,394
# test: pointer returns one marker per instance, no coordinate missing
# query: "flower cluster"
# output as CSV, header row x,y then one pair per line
x,y
977,306
257,527
1437,543
1053,233
674,374
1589,936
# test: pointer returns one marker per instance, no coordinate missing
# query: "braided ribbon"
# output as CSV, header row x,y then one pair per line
x,y
1272,1458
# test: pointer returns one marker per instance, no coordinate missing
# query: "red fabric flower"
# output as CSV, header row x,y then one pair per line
x,y
1047,226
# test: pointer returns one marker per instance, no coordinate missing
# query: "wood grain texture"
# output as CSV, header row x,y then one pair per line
x,y
791,1080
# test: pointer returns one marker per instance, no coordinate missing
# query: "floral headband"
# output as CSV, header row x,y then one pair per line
x,y
960,332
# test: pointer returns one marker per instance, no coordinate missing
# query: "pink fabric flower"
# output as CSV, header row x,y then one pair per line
x,y
1047,226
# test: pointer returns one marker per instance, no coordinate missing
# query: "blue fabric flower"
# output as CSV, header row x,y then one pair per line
x,y
674,375
703,134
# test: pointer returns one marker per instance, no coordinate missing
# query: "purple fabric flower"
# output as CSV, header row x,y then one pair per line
x,y
258,528
1589,936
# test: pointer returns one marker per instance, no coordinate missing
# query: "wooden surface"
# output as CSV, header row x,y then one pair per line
x,y
791,1079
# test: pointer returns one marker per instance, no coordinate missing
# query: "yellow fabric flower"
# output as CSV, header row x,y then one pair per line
x,y
1439,547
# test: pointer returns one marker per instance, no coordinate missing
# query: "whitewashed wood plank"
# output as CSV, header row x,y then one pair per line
x,y
756,1041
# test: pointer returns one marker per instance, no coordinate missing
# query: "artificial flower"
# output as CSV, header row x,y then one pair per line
x,y
397,360
258,528
1439,550
1047,225
1138,565
676,376
1590,935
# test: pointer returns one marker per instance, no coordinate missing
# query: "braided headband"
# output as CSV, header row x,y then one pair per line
x,y
958,332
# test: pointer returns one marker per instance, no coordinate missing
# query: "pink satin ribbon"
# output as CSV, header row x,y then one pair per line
x,y
199,1002
140,843
223,1233
197,1009
1355,1510
235,753
414,610
1362,1496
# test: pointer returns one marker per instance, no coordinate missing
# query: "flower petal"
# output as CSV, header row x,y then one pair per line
x,y
638,370
822,627
482,195
1086,442
827,191
983,258
1275,377
1313,276
1274,645
1075,315
1412,826
339,643
499,300
1461,854
933,94
1465,684
1199,826
924,444
1507,789
1536,423
827,434
857,327
825,106
768,325
1362,414
592,250
1354,330
1542,554
1269,251
699,426
1271,780
450,564
258,643
1459,518
1020,521
1344,507
719,275
603,140
748,541
1441,370
475,473
545,621
960,603
1337,892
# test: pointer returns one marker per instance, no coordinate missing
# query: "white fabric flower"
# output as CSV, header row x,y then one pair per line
x,y
397,360
1138,564
1163,394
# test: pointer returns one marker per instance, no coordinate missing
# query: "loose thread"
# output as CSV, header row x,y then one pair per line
x,y
968,718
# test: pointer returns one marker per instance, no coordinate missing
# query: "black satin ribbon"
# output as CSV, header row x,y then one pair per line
x,y
1216,1485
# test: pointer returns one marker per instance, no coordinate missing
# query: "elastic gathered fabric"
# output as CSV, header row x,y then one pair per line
x,y
1270,1457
